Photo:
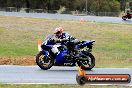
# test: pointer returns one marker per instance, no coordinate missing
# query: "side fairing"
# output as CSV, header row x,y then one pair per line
x,y
60,58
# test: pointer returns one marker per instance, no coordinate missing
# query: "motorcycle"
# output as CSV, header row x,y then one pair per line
x,y
127,16
66,53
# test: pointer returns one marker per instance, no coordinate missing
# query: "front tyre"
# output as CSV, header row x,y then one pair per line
x,y
124,17
89,61
44,62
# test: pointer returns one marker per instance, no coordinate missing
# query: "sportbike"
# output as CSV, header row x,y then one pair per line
x,y
67,53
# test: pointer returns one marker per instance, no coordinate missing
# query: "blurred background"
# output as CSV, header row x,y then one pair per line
x,y
75,7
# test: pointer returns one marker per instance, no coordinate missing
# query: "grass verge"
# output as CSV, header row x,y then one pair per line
x,y
58,86
18,39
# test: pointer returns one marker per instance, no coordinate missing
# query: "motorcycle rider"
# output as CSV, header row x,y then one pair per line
x,y
61,37
128,14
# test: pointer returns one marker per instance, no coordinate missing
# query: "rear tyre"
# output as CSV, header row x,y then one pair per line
x,y
88,63
44,62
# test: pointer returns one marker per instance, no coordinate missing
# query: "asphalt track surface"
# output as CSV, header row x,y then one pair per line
x,y
68,17
13,74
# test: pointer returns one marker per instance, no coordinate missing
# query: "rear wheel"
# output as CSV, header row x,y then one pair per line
x,y
88,62
44,62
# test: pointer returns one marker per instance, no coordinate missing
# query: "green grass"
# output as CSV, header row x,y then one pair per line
x,y
113,46
59,86
17,43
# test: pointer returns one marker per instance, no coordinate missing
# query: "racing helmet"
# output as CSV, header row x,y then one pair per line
x,y
58,31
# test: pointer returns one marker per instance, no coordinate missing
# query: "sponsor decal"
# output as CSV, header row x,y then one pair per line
x,y
83,78
103,78
108,78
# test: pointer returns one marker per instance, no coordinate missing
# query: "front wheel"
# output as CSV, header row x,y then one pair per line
x,y
124,17
88,61
45,62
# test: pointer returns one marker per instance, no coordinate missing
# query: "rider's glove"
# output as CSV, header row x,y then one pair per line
x,y
52,40
58,40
